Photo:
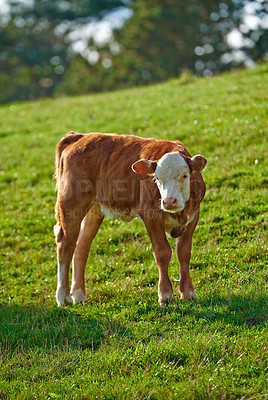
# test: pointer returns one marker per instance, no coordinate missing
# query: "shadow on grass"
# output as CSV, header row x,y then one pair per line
x,y
24,327
240,310
29,327
237,310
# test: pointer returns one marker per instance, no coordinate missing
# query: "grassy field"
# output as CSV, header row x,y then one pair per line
x,y
123,345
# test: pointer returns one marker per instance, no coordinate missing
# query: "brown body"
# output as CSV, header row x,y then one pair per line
x,y
94,174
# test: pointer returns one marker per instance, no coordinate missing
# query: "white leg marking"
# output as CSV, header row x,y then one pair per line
x,y
163,299
62,296
186,295
78,296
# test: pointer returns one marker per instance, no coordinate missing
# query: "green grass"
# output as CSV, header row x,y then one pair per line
x,y
122,345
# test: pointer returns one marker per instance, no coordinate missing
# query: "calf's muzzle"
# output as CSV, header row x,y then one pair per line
x,y
170,203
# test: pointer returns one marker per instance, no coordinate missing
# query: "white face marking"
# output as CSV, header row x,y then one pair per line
x,y
173,180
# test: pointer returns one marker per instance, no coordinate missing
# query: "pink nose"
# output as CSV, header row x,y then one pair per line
x,y
170,203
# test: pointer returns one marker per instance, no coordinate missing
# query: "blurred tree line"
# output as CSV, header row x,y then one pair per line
x,y
41,55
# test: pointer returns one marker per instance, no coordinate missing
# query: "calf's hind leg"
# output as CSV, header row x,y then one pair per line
x,y
66,235
89,228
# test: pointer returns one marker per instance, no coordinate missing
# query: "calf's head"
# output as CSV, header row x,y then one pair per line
x,y
172,173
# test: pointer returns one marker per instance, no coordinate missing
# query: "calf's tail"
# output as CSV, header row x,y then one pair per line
x,y
68,139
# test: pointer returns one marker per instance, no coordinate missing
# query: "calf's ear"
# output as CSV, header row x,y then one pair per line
x,y
144,167
198,163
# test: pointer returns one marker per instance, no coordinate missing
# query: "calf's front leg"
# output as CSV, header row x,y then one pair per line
x,y
162,254
183,249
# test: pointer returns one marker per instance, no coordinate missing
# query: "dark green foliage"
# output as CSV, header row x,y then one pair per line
x,y
34,47
159,41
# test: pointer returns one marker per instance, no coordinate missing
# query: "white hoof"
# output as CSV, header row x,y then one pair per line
x,y
188,295
78,296
165,299
62,298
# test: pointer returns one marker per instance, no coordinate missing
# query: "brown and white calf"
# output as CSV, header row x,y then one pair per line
x,y
128,176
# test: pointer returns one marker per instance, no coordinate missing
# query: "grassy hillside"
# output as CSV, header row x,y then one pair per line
x,y
123,345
